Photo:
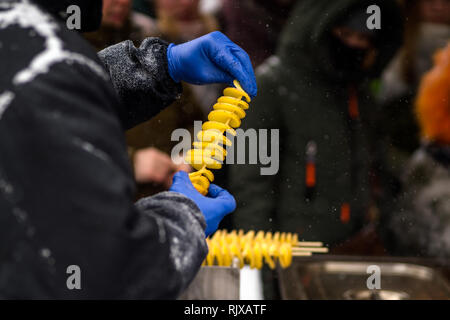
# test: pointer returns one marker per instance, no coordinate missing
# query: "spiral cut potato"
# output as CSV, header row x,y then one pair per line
x,y
255,248
209,151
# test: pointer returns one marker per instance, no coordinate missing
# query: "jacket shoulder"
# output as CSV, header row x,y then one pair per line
x,y
35,42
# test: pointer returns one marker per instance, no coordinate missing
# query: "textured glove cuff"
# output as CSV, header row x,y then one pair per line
x,y
155,49
141,78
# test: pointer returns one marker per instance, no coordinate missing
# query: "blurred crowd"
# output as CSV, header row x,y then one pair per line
x,y
364,116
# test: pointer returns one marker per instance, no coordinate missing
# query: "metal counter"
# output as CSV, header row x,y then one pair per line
x,y
345,277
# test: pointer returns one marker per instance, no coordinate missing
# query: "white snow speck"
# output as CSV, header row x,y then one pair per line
x,y
90,148
6,187
45,253
5,100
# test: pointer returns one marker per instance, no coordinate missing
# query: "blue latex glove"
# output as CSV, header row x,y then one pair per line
x,y
212,58
214,207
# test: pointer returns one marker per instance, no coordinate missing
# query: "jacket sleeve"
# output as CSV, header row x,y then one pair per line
x,y
141,79
168,246
64,157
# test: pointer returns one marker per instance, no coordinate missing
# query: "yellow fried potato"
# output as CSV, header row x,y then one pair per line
x,y
233,101
225,116
208,174
200,189
209,125
213,135
202,181
239,87
231,108
208,151
211,150
265,251
199,159
258,256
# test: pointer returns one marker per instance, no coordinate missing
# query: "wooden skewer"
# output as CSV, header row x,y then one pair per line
x,y
310,244
301,254
319,250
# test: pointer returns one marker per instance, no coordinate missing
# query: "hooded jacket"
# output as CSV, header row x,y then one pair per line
x,y
316,107
68,224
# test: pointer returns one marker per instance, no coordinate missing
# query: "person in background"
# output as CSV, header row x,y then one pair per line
x,y
149,144
427,28
420,225
145,7
182,20
330,161
255,25
212,7
116,26
177,16
144,15
318,81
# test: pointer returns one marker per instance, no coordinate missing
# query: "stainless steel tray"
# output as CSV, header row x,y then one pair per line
x,y
214,283
338,277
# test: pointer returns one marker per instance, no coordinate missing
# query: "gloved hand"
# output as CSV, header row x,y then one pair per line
x,y
212,58
214,207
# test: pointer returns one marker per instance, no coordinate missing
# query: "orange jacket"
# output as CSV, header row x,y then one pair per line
x,y
433,100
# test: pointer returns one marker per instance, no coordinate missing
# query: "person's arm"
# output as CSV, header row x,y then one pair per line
x,y
141,79
67,191
147,79
166,246
71,177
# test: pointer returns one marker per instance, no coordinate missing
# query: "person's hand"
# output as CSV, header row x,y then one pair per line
x,y
212,58
216,205
154,166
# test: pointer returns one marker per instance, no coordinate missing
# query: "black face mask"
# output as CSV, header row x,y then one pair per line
x,y
91,11
347,60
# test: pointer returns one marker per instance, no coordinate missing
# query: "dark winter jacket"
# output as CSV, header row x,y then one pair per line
x,y
420,225
66,185
302,94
